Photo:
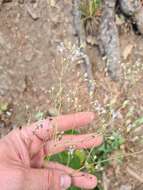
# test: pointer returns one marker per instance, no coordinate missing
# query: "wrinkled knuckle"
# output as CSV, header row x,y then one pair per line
x,y
53,180
51,177
48,178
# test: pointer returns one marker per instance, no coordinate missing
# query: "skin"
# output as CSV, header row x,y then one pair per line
x,y
22,166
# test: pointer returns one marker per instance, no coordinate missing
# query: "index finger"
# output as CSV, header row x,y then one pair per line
x,y
46,128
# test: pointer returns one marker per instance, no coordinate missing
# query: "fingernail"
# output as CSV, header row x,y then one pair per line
x,y
65,181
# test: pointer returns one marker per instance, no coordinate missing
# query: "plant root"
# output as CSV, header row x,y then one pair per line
x,y
109,39
79,32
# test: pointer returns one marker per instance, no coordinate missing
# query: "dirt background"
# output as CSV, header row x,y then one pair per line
x,y
38,73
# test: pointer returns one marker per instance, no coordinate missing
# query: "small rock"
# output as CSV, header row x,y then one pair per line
x,y
52,112
119,20
127,51
32,12
130,7
91,40
9,114
29,54
52,3
4,42
125,187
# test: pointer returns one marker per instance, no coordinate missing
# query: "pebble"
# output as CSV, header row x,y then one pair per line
x,y
4,42
29,54
130,7
52,112
125,187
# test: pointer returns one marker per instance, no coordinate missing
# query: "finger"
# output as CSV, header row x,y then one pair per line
x,y
79,179
73,121
66,143
45,129
72,141
46,179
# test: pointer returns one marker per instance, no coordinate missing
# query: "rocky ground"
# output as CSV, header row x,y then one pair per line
x,y
39,74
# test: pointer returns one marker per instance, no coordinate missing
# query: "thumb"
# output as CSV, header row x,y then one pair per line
x,y
43,179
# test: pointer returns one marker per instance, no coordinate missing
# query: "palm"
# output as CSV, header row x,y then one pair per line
x,y
23,150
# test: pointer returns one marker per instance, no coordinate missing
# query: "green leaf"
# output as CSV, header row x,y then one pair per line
x,y
3,107
90,167
98,188
62,158
72,132
74,188
81,154
89,8
75,162
93,160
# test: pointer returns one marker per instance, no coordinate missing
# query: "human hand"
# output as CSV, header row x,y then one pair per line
x,y
22,152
